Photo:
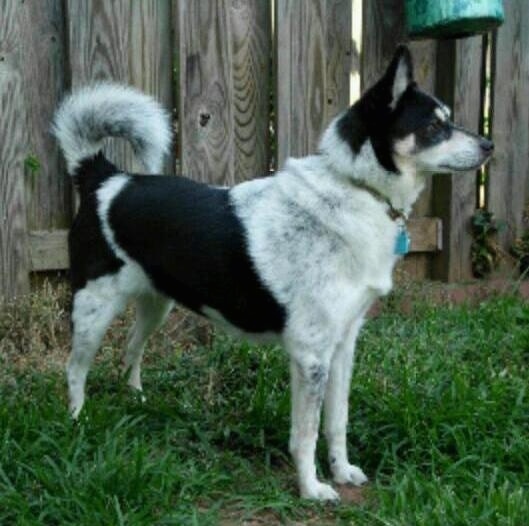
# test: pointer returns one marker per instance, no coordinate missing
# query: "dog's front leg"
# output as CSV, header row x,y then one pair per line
x,y
336,410
308,380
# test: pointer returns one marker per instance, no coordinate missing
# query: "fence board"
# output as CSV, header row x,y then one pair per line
x,y
14,142
508,183
151,55
251,41
48,250
455,196
106,38
207,139
338,57
48,190
313,66
382,29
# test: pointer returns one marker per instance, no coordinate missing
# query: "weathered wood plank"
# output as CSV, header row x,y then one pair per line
x,y
98,33
455,196
300,77
123,41
151,54
48,250
338,57
251,40
508,184
42,44
382,29
207,140
14,142
313,61
426,234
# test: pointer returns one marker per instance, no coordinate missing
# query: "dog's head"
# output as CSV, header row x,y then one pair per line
x,y
409,128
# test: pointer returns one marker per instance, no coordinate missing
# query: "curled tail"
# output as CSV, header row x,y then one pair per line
x,y
106,109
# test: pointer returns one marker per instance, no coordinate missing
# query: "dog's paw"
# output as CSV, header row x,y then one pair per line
x,y
320,491
75,409
349,474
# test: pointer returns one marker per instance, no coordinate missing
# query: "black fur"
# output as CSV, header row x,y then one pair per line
x,y
192,245
90,255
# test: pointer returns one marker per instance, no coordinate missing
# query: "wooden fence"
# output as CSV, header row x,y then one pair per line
x,y
230,68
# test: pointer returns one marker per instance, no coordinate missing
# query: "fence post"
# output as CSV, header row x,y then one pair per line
x,y
459,84
508,181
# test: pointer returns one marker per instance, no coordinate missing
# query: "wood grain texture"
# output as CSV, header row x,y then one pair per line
x,y
508,184
313,61
251,44
48,250
455,196
426,234
338,57
41,37
300,77
206,108
382,30
151,55
14,140
123,41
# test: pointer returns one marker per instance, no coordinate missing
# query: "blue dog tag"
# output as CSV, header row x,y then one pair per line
x,y
402,243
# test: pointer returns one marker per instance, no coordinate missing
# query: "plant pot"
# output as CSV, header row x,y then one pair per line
x,y
452,18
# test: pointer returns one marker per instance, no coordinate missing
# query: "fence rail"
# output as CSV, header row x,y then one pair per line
x,y
251,82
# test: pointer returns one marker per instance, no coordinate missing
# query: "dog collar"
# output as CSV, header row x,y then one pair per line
x,y
393,213
403,241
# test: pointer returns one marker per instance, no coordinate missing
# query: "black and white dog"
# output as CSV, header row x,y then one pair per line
x,y
300,256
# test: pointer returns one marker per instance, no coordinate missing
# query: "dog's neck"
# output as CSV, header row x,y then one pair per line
x,y
401,190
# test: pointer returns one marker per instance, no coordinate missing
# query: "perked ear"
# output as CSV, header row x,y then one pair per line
x,y
400,73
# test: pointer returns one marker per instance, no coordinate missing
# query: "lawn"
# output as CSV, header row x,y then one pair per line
x,y
439,421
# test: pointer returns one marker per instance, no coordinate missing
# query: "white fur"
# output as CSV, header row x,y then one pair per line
x,y
94,308
326,250
441,114
102,110
105,195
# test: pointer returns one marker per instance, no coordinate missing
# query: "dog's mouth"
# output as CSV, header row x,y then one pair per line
x,y
466,168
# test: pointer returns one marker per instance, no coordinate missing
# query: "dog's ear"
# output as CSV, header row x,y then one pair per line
x,y
399,74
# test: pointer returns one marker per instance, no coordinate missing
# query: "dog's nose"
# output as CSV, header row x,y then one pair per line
x,y
486,145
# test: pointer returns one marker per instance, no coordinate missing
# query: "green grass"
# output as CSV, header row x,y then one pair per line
x,y
439,421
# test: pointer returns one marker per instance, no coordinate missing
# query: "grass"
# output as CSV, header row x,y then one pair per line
x,y
439,421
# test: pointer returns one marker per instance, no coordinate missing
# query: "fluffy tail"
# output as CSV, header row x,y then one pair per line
x,y
102,110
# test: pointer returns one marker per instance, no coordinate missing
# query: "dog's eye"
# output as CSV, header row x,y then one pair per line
x,y
434,126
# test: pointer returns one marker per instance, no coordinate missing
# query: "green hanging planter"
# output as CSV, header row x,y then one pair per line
x,y
452,18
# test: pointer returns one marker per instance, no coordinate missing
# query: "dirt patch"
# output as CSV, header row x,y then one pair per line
x,y
409,293
35,332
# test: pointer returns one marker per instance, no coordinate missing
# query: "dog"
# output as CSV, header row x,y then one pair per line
x,y
298,256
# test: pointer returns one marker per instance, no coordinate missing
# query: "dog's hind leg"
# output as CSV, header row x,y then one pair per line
x,y
308,378
94,308
336,410
151,312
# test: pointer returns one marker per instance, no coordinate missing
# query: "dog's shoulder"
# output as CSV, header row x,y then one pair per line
x,y
312,233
